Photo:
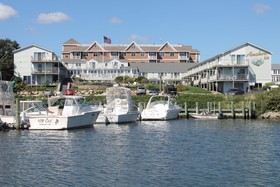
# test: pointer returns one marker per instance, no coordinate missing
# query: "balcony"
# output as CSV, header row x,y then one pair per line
x,y
183,58
44,59
45,71
152,57
236,77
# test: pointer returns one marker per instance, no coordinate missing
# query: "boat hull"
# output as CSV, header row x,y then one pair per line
x,y
62,122
204,116
151,114
118,119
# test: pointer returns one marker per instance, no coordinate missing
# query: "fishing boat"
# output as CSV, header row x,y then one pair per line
x,y
7,106
119,107
160,107
206,115
64,112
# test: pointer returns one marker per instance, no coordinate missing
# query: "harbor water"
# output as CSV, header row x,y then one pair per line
x,y
181,152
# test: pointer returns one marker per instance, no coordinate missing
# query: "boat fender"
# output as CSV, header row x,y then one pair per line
x,y
118,101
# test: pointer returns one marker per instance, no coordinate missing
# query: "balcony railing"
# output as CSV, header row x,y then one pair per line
x,y
152,57
233,77
183,58
44,59
45,71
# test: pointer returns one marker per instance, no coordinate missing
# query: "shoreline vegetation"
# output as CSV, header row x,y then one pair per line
x,y
267,103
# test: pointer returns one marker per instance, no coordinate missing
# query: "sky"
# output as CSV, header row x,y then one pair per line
x,y
210,26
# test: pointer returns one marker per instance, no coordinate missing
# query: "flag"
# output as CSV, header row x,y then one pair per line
x,y
106,40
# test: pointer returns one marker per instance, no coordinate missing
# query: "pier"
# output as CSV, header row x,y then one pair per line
x,y
248,112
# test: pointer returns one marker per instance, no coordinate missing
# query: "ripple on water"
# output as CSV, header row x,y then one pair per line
x,y
173,153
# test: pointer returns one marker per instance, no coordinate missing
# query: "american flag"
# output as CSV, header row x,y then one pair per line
x,y
106,40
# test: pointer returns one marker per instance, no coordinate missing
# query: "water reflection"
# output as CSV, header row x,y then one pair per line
x,y
173,153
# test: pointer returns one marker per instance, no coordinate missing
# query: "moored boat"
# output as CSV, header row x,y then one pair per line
x,y
64,112
206,115
160,107
119,107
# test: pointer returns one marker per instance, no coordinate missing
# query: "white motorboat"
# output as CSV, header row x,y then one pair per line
x,y
160,107
119,108
64,112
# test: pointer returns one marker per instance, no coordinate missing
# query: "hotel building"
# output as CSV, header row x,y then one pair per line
x,y
107,61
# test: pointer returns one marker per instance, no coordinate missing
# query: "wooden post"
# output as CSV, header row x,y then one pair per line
x,y
196,107
232,110
250,110
186,110
254,110
243,110
17,114
208,107
219,106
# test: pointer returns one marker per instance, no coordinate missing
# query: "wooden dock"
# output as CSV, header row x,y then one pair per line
x,y
248,112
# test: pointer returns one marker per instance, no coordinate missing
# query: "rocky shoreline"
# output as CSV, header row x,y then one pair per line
x,y
270,115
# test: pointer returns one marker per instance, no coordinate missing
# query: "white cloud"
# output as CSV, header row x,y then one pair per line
x,y
6,12
115,21
53,17
261,8
138,39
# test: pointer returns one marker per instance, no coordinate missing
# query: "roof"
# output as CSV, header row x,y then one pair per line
x,y
71,41
30,46
124,47
230,51
275,66
162,67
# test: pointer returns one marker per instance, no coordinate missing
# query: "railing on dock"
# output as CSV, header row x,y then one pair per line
x,y
248,112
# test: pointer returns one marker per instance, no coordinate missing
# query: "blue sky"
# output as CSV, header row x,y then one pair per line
x,y
208,26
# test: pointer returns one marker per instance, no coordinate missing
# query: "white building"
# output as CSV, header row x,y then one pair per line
x,y
246,66
96,70
37,65
275,73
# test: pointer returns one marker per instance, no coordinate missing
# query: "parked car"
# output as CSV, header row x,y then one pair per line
x,y
141,91
154,92
272,86
48,92
235,91
69,92
170,89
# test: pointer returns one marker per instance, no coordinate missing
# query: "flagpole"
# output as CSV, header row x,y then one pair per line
x,y
103,50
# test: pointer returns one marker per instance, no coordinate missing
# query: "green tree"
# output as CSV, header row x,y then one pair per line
x,y
7,47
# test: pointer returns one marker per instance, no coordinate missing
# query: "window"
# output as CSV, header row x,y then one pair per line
x,y
240,59
133,54
232,58
123,54
182,54
161,53
96,54
114,53
171,53
39,56
142,54
76,55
